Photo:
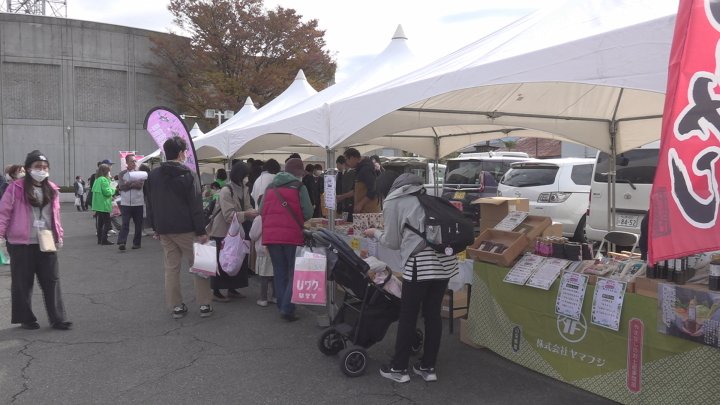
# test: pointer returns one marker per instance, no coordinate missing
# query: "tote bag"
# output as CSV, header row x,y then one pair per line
x,y
234,248
204,260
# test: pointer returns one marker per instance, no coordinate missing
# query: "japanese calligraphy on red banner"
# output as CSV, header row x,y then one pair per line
x,y
685,197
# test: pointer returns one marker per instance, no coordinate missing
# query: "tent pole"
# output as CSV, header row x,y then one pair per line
x,y
322,319
437,158
612,173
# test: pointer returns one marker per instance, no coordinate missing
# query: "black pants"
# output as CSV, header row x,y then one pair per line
x,y
27,261
429,295
102,225
136,214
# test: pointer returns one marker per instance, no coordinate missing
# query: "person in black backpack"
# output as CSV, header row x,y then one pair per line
x,y
425,277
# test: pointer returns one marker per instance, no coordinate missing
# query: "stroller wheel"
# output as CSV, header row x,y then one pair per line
x,y
353,361
418,344
331,342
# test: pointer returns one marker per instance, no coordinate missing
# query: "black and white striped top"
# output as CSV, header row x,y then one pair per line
x,y
431,265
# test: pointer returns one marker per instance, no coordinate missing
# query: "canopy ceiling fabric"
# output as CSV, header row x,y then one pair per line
x,y
218,142
569,70
308,121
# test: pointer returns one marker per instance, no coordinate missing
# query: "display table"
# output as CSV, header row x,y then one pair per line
x,y
520,324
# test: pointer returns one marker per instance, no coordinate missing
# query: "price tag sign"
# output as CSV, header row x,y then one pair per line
x,y
330,191
571,295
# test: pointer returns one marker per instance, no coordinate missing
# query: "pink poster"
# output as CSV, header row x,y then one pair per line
x,y
309,281
162,123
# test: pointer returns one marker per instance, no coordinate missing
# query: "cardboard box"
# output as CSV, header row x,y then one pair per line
x,y
532,227
460,300
494,209
464,337
515,242
555,229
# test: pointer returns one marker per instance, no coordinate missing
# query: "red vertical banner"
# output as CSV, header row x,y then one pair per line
x,y
636,334
685,197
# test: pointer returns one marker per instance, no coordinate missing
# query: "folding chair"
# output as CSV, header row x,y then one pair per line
x,y
618,238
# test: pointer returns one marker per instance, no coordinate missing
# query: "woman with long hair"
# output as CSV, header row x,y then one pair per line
x,y
102,193
234,200
30,227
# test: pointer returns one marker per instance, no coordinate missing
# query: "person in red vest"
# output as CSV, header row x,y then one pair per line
x,y
285,207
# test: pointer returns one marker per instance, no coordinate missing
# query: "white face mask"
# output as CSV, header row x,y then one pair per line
x,y
318,172
20,175
39,175
377,166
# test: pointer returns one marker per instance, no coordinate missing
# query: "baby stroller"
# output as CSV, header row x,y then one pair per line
x,y
365,312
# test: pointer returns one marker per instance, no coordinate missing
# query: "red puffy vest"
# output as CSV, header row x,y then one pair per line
x,y
278,225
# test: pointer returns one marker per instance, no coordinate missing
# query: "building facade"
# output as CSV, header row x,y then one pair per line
x,y
78,91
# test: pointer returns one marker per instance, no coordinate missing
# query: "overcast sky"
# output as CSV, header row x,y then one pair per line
x,y
355,31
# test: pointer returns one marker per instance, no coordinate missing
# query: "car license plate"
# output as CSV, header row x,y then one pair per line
x,y
627,221
459,195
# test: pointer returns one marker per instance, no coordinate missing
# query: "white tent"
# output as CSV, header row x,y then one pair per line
x,y
214,144
220,143
593,72
308,121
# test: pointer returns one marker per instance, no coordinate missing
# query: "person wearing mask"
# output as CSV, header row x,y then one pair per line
x,y
234,201
79,187
132,203
364,194
425,278
28,210
318,189
102,193
12,173
284,207
221,177
340,165
176,214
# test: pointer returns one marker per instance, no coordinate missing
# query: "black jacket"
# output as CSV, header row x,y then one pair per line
x,y
175,203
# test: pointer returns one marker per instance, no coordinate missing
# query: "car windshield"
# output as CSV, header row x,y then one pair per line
x,y
530,176
469,171
419,169
636,166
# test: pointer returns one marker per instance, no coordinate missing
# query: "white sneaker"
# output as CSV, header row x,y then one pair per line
x,y
272,300
262,303
112,232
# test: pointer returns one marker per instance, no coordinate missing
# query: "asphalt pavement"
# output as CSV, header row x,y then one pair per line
x,y
126,349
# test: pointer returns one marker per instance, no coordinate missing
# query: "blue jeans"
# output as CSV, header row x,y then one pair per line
x,y
283,261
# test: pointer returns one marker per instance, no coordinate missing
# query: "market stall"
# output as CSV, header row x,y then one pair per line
x,y
634,365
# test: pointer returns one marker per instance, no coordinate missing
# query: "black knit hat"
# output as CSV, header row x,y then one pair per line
x,y
33,157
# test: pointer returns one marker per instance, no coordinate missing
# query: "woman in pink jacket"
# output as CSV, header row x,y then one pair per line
x,y
29,209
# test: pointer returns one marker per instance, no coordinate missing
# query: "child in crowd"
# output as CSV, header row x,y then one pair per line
x,y
263,264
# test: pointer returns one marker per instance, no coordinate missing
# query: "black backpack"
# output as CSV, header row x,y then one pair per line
x,y
447,230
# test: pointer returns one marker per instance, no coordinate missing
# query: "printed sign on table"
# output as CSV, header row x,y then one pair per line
x,y
571,295
309,281
523,269
512,220
607,303
547,272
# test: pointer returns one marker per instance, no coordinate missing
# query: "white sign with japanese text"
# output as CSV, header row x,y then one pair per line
x,y
330,191
571,294
549,270
523,269
607,303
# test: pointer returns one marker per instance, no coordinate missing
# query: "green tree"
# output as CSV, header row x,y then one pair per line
x,y
236,49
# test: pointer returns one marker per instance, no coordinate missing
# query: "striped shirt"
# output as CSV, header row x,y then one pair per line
x,y
430,265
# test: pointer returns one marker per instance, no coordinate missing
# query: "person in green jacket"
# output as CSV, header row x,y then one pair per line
x,y
102,193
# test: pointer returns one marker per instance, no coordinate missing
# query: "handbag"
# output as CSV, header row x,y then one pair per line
x,y
77,201
234,248
46,241
204,260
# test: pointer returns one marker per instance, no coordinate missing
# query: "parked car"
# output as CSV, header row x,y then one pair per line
x,y
555,188
421,167
473,175
635,174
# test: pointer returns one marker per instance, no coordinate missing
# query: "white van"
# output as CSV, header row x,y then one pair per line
x,y
421,167
635,174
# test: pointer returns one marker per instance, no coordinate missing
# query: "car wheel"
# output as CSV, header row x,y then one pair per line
x,y
579,235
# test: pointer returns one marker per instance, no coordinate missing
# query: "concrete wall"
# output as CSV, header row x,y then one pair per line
x,y
78,91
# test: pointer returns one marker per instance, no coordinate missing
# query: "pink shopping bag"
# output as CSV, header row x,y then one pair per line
x,y
309,281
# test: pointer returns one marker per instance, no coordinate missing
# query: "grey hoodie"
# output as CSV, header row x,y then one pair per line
x,y
400,208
